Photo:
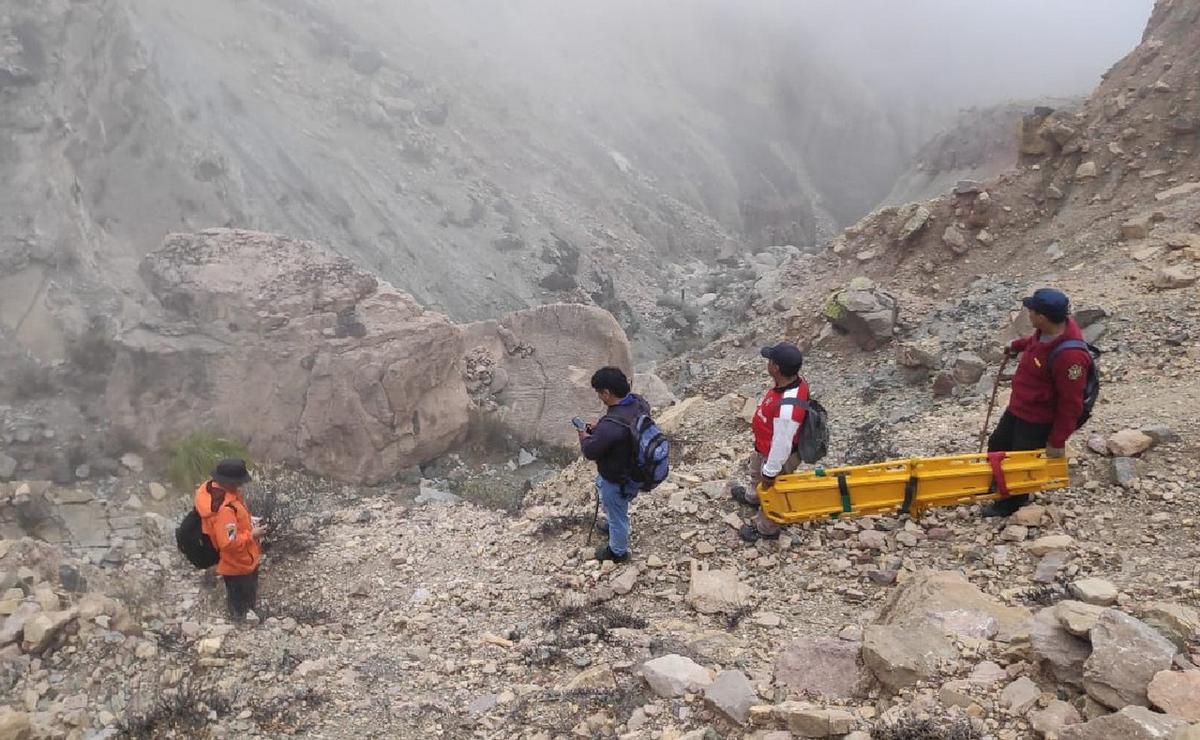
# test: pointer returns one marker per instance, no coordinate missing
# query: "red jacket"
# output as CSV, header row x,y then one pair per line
x,y
226,520
777,424
1040,397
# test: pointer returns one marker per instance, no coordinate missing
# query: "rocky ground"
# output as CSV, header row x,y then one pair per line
x,y
385,617
411,610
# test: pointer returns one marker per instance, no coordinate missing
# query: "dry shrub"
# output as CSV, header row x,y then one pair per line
x,y
279,514
178,712
911,727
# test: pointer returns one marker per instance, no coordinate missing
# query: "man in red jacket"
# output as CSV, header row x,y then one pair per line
x,y
776,426
1047,389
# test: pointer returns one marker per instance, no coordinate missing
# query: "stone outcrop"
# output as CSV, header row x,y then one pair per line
x,y
546,356
290,348
864,311
1131,723
1126,656
913,639
313,362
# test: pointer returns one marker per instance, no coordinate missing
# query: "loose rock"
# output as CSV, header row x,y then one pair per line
x,y
1177,693
1131,723
674,675
1051,720
1126,655
732,693
1020,696
820,666
1095,591
1129,443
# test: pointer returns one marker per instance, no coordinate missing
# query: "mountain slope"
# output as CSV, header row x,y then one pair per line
x,y
481,165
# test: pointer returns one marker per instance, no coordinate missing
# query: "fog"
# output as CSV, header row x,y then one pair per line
x,y
950,52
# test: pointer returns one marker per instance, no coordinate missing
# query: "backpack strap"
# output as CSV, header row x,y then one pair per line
x,y
801,402
1069,344
634,438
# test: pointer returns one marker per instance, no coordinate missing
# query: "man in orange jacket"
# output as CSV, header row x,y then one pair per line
x,y
227,522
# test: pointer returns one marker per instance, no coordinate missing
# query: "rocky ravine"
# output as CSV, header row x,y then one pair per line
x,y
1075,618
425,144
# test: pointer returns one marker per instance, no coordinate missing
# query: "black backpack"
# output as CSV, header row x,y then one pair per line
x,y
195,545
812,444
1091,389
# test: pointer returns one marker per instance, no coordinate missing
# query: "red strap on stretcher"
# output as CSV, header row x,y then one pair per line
x,y
996,460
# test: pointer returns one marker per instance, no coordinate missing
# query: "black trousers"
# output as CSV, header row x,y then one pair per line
x,y
241,594
1011,435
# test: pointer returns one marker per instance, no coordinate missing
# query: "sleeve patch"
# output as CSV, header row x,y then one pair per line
x,y
1075,372
231,531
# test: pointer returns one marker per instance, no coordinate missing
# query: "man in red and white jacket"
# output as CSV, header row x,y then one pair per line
x,y
1047,397
776,426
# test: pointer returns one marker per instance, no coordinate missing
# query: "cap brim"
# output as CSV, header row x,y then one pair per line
x,y
1029,302
766,352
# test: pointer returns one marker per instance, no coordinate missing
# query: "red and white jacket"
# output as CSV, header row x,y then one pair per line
x,y
777,424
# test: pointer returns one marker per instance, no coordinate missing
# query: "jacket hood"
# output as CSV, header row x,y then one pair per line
x,y
204,499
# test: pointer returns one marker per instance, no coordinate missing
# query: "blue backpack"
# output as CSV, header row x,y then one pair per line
x,y
651,453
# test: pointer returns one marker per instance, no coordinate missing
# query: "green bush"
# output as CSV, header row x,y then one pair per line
x,y
193,457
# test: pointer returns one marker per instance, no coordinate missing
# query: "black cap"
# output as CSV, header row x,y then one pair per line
x,y
786,355
1051,303
231,472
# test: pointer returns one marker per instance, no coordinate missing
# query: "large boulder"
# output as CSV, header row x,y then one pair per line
x,y
1126,655
547,356
948,600
290,348
1177,622
1131,723
1060,653
902,655
913,638
864,311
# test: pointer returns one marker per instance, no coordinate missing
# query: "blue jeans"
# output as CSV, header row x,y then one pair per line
x,y
616,510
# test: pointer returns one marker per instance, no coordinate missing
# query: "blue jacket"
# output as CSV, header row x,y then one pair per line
x,y
611,443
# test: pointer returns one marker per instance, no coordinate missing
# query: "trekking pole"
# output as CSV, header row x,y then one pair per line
x,y
987,420
595,515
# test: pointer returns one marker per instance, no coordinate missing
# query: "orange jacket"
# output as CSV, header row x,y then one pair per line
x,y
226,520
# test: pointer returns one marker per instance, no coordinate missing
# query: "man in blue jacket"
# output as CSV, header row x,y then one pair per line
x,y
610,443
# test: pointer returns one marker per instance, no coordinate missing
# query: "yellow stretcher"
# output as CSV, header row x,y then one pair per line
x,y
910,486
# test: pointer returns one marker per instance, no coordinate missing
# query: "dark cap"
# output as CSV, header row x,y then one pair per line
x,y
1051,303
786,355
231,472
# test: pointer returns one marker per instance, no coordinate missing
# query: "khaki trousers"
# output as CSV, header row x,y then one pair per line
x,y
754,464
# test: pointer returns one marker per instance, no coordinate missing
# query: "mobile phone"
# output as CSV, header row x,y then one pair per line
x,y
579,423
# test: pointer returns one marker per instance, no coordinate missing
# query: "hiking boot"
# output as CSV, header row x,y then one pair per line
x,y
603,553
750,533
738,493
1004,506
